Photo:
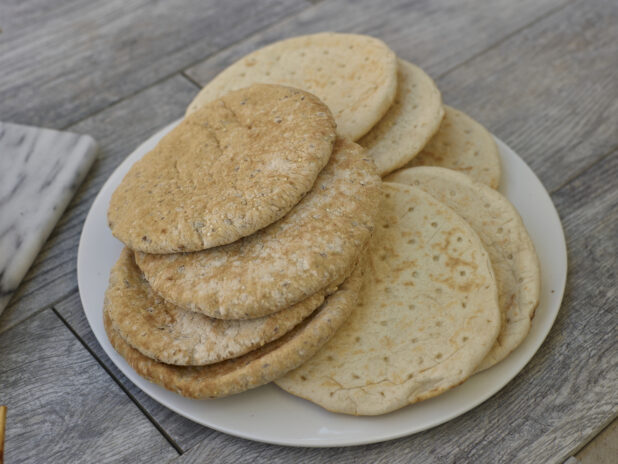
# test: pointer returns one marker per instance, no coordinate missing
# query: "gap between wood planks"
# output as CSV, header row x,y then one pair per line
x,y
573,459
40,310
154,422
184,74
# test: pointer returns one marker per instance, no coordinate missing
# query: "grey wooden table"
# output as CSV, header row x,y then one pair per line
x,y
540,74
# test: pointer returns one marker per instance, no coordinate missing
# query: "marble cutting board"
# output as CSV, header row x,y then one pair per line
x,y
40,170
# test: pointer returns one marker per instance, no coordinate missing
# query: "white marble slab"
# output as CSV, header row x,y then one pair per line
x,y
40,170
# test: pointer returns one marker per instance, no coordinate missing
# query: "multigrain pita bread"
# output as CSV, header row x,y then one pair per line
x,y
355,75
254,368
413,118
428,314
234,167
505,238
315,246
464,145
172,335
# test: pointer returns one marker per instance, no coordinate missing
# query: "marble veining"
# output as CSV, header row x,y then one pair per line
x,y
40,170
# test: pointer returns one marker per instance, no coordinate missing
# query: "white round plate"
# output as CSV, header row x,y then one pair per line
x,y
270,415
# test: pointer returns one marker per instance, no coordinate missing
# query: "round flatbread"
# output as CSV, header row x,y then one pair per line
x,y
462,144
428,314
254,368
169,334
505,238
411,121
315,246
226,171
355,75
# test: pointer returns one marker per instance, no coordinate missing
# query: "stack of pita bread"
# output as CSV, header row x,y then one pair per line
x,y
262,245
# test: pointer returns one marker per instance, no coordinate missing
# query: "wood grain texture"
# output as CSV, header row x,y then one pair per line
x,y
183,432
559,398
61,63
540,74
63,407
436,35
603,449
118,130
549,92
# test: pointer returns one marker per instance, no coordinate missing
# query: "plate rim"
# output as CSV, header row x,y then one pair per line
x,y
131,375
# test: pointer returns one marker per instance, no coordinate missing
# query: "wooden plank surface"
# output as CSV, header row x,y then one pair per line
x,y
437,35
540,74
61,63
603,449
63,407
550,91
118,130
556,402
184,433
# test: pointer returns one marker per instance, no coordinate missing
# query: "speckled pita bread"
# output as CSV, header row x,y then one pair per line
x,y
169,334
228,170
505,238
464,145
355,75
428,314
254,368
413,118
315,246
